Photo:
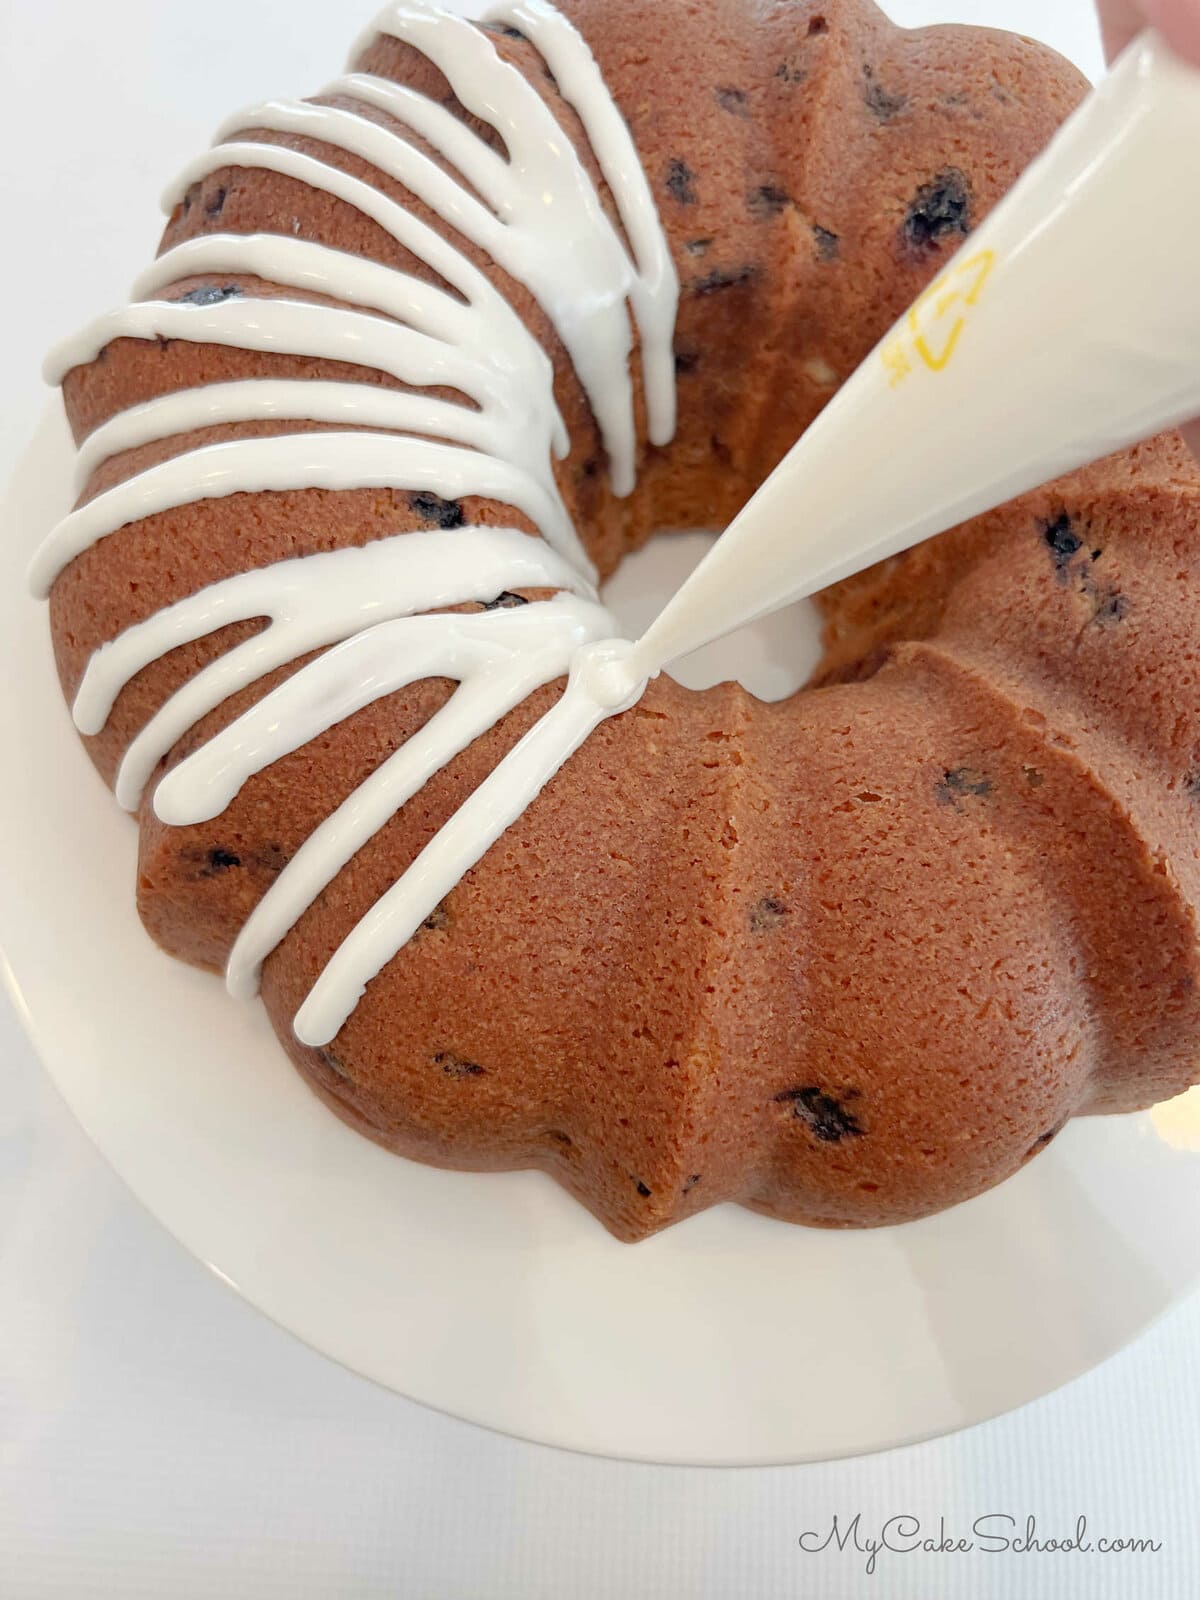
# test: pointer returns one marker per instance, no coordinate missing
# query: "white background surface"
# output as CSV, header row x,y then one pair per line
x,y
156,1436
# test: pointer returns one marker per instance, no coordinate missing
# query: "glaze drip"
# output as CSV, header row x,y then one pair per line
x,y
538,214
311,602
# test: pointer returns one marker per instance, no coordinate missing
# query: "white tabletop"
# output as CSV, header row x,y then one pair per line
x,y
156,1435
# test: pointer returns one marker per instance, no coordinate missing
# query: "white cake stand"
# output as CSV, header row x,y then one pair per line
x,y
729,1339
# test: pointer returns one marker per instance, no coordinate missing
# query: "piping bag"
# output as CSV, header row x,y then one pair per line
x,y
1066,328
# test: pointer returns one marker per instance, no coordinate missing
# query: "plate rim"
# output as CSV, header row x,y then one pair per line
x,y
43,1043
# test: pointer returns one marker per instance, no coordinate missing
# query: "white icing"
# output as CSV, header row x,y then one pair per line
x,y
655,293
311,602
536,212
298,461
267,400
504,424
476,319
500,98
493,807
543,221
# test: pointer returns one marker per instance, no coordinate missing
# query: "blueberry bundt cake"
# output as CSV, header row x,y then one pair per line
x,y
419,361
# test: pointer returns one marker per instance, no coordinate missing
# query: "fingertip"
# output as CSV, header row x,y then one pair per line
x,y
1120,23
1179,23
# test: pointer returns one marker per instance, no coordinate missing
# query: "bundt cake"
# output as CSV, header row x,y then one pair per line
x,y
399,389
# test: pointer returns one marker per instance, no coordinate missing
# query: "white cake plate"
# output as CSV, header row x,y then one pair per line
x,y
728,1339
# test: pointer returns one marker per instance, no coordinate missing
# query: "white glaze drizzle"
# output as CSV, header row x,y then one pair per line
x,y
504,425
310,601
493,807
297,461
538,215
267,400
549,230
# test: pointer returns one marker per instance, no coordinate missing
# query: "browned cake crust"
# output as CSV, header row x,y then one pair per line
x,y
849,959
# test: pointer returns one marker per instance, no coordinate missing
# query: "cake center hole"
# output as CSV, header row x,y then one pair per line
x,y
771,658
